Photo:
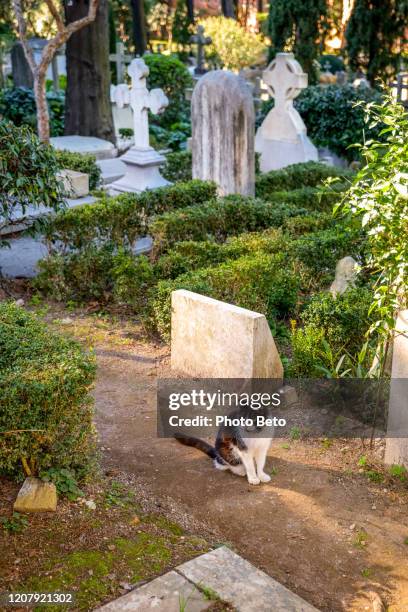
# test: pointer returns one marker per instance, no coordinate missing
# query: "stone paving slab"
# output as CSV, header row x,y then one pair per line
x,y
168,593
226,574
240,583
20,260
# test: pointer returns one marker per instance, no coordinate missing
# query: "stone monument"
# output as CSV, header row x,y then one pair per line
x,y
282,140
223,119
200,40
142,161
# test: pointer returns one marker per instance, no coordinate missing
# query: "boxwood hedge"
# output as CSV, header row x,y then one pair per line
x,y
45,408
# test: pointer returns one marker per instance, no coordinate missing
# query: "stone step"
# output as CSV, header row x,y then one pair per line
x,y
220,573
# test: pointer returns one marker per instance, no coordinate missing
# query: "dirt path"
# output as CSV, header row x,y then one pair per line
x,y
320,527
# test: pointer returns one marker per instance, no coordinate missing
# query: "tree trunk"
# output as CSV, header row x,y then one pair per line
x,y
190,10
88,110
228,9
139,27
43,116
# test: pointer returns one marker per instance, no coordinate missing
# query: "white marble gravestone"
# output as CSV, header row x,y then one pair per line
x,y
223,122
282,140
142,161
214,339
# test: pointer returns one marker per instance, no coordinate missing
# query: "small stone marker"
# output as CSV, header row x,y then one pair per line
x,y
76,184
223,122
201,41
142,161
345,277
36,496
396,448
282,138
21,71
213,339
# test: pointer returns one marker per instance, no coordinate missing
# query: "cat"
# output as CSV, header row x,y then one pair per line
x,y
244,456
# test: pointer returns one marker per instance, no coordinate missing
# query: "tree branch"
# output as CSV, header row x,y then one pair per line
x,y
22,32
55,13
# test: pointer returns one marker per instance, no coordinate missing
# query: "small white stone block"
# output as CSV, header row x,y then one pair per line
x,y
36,496
76,184
345,277
213,339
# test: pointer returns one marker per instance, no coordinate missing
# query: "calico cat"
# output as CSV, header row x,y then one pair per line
x,y
244,456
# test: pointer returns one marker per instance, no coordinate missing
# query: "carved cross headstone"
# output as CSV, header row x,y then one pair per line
x,y
120,58
141,100
142,161
282,138
201,41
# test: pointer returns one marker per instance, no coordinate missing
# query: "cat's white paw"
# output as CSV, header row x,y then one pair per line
x,y
253,481
264,477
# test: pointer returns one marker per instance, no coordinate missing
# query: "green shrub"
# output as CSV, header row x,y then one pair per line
x,y
122,219
170,74
45,407
27,171
178,167
133,276
321,250
80,276
80,162
296,176
190,255
232,46
260,282
18,105
225,217
333,119
313,222
333,326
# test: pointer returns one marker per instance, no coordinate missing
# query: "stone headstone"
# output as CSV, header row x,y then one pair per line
x,y
21,71
142,161
223,122
345,277
213,339
282,138
396,447
36,496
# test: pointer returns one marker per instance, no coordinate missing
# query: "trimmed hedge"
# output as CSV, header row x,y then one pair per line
x,y
46,411
80,162
296,176
225,217
178,167
261,282
122,219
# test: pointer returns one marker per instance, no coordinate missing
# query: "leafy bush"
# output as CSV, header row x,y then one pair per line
x,y
122,219
232,46
46,410
260,282
28,171
80,162
18,105
333,119
296,176
221,218
190,255
171,75
333,326
178,167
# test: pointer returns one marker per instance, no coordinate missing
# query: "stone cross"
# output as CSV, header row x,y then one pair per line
x,y
200,40
285,80
282,139
121,59
141,101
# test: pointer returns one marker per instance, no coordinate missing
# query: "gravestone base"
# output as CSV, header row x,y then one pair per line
x,y
276,154
142,172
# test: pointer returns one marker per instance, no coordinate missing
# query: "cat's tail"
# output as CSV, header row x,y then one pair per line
x,y
204,447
